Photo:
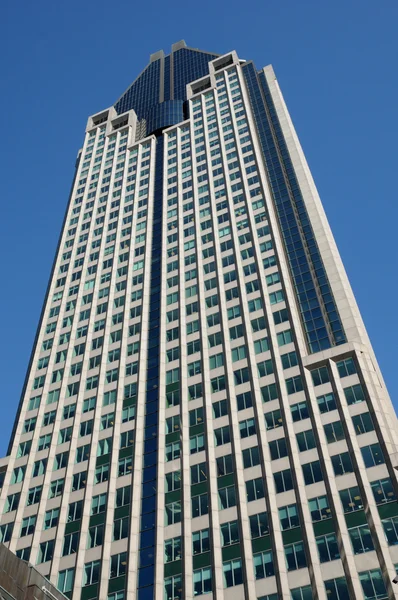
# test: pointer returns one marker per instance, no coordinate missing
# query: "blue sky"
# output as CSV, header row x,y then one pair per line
x,y
62,61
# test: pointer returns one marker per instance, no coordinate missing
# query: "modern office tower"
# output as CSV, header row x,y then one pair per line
x,y
203,412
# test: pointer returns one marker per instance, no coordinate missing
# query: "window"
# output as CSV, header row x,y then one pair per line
x,y
251,457
284,337
91,572
173,513
79,481
305,440
118,564
198,473
346,367
226,497
354,394
229,533
200,505
362,423
71,543
28,525
373,585
197,443
273,419
288,517
301,593
259,525
361,539
195,417
312,472
172,550
233,573
12,502
326,403
202,581
383,490
336,589
65,580
294,384
34,495
390,527
98,504
123,496
342,463
51,518
327,547
295,556
222,435
172,481
334,432
244,400
289,360
200,541
263,565
299,411
220,409
104,446
320,376
278,448
372,455
247,428
254,489
172,451
283,481
95,536
225,465
75,511
351,499
56,488
319,508
46,551
173,588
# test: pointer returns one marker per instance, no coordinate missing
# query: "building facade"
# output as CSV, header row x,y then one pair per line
x,y
203,412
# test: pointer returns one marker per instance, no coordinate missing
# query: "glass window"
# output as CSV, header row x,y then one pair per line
x,y
337,589
334,432
373,585
372,455
312,472
305,440
390,527
346,367
295,556
299,411
172,550
327,547
383,490
302,593
319,508
233,573
361,539
200,541
258,525
342,463
288,516
363,423
202,583
326,403
173,588
351,499
229,533
263,565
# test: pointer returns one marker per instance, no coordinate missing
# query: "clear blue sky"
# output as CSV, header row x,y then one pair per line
x,y
63,61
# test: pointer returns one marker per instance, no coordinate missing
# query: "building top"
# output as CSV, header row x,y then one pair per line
x,y
159,92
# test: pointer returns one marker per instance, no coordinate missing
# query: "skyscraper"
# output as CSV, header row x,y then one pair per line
x,y
203,412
